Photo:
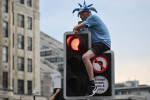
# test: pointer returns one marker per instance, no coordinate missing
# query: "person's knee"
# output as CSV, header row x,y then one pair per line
x,y
85,57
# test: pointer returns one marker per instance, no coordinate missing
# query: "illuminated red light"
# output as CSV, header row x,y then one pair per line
x,y
75,44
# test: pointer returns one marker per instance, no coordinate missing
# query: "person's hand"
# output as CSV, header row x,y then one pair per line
x,y
58,90
76,30
53,97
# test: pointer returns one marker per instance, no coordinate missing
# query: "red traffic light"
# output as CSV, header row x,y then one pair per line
x,y
75,43
75,74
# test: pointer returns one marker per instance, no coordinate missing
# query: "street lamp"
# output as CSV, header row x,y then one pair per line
x,y
34,93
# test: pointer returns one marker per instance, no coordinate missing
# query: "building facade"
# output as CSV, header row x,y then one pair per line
x,y
51,64
19,49
50,78
131,90
52,51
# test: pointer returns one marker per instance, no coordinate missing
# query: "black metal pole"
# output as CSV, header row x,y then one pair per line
x,y
34,97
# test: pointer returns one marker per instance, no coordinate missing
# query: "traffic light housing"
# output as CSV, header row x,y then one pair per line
x,y
75,74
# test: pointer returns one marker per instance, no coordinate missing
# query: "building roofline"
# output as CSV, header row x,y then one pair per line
x,y
50,37
138,87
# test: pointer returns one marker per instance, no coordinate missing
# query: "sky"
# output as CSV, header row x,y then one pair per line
x,y
128,22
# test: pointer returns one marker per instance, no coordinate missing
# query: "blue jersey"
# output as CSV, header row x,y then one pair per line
x,y
99,31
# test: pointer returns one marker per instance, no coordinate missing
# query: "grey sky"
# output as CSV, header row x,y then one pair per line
x,y
128,22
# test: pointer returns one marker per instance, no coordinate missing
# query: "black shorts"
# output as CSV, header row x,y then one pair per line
x,y
99,48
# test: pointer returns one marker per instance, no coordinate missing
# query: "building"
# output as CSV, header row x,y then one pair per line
x,y
134,83
51,64
52,51
131,90
19,49
50,78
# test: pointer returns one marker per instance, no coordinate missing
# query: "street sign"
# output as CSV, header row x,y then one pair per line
x,y
100,64
102,84
103,67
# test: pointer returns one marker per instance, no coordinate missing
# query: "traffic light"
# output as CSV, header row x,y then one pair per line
x,y
75,74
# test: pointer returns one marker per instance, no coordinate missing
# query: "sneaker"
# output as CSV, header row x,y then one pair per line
x,y
91,91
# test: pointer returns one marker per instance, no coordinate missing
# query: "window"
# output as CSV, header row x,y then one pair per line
x,y
43,47
29,23
20,20
13,84
21,86
55,59
42,53
5,5
5,29
13,61
29,87
20,63
29,65
48,53
13,40
20,41
5,54
29,4
59,59
60,65
21,1
29,44
5,79
13,18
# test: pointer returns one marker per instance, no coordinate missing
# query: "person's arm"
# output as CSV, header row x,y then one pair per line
x,y
77,28
53,97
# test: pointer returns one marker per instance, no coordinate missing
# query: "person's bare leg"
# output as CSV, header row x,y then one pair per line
x,y
92,89
86,59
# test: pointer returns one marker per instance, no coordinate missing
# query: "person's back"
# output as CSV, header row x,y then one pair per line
x,y
98,30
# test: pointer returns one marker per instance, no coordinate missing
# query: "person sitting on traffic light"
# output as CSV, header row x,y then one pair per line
x,y
100,40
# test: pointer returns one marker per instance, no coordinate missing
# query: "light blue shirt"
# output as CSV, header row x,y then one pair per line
x,y
99,31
